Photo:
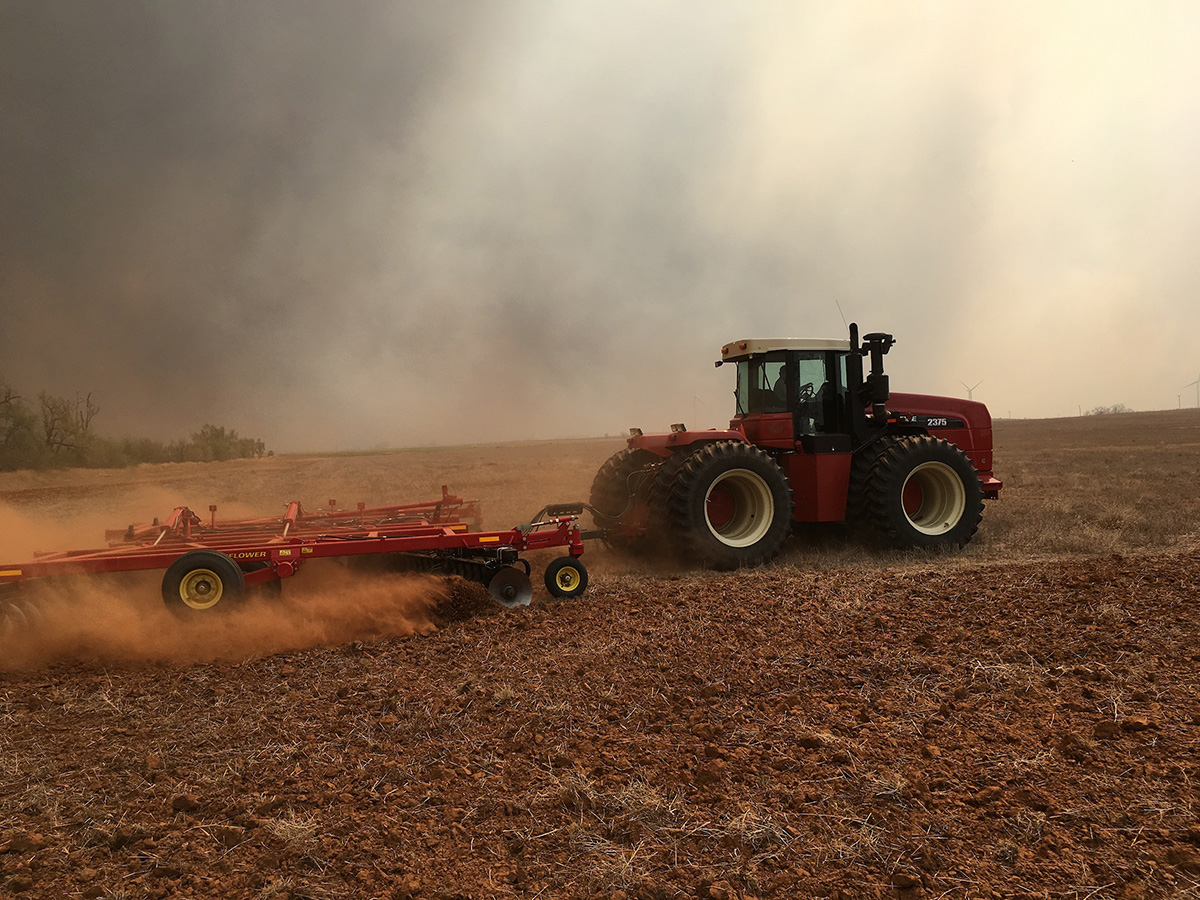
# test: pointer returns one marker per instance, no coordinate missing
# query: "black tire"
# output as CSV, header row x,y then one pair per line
x,y
944,504
658,499
566,578
747,523
201,582
616,489
857,505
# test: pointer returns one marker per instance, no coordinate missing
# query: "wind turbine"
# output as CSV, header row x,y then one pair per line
x,y
971,388
1197,384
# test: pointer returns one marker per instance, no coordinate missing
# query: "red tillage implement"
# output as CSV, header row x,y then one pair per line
x,y
212,564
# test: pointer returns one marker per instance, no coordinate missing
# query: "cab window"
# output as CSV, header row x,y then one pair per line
x,y
813,392
762,384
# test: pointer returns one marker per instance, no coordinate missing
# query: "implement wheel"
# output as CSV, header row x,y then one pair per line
x,y
730,506
202,581
566,578
924,492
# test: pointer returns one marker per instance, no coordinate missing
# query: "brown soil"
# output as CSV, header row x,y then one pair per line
x,y
1018,720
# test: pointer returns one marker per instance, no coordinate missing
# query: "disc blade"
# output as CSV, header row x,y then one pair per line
x,y
511,587
13,618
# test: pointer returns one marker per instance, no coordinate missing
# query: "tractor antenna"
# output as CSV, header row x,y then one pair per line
x,y
971,388
840,313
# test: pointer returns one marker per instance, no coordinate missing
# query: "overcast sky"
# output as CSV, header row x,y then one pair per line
x,y
355,224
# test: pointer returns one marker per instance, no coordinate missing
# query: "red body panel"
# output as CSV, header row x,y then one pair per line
x,y
769,430
665,444
819,483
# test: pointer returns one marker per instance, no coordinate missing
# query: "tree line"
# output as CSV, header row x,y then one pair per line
x,y
57,432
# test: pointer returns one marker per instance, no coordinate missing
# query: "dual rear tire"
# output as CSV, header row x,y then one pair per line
x,y
725,505
620,486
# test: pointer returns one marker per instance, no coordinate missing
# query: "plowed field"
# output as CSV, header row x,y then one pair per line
x,y
1018,720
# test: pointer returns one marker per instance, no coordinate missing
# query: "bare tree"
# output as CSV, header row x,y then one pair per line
x,y
66,423
11,420
19,446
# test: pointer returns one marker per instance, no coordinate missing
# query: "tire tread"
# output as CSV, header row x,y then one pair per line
x,y
690,484
883,499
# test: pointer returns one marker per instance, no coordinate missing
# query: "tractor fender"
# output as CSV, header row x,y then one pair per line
x,y
666,444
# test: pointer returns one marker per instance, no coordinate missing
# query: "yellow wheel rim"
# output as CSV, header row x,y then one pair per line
x,y
567,578
201,589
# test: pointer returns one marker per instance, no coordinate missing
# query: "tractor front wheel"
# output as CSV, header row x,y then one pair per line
x,y
730,506
924,492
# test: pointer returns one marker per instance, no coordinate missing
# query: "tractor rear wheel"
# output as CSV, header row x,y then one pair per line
x,y
658,498
615,492
923,492
730,506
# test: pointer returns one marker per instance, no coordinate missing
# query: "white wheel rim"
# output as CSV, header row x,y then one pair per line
x,y
753,508
943,498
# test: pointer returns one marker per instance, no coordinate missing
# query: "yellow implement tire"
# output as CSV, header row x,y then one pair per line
x,y
566,578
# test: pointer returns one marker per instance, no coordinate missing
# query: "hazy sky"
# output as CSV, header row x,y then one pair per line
x,y
355,224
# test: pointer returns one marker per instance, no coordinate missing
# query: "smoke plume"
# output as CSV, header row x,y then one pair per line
x,y
354,224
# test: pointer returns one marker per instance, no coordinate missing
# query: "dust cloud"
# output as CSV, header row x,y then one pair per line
x,y
119,619
75,514
339,226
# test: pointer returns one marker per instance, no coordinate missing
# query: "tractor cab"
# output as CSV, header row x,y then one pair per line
x,y
799,391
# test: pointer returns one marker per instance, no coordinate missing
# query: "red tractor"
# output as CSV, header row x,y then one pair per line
x,y
814,439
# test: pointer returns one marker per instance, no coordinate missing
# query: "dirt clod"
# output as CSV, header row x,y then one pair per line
x,y
22,842
185,803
